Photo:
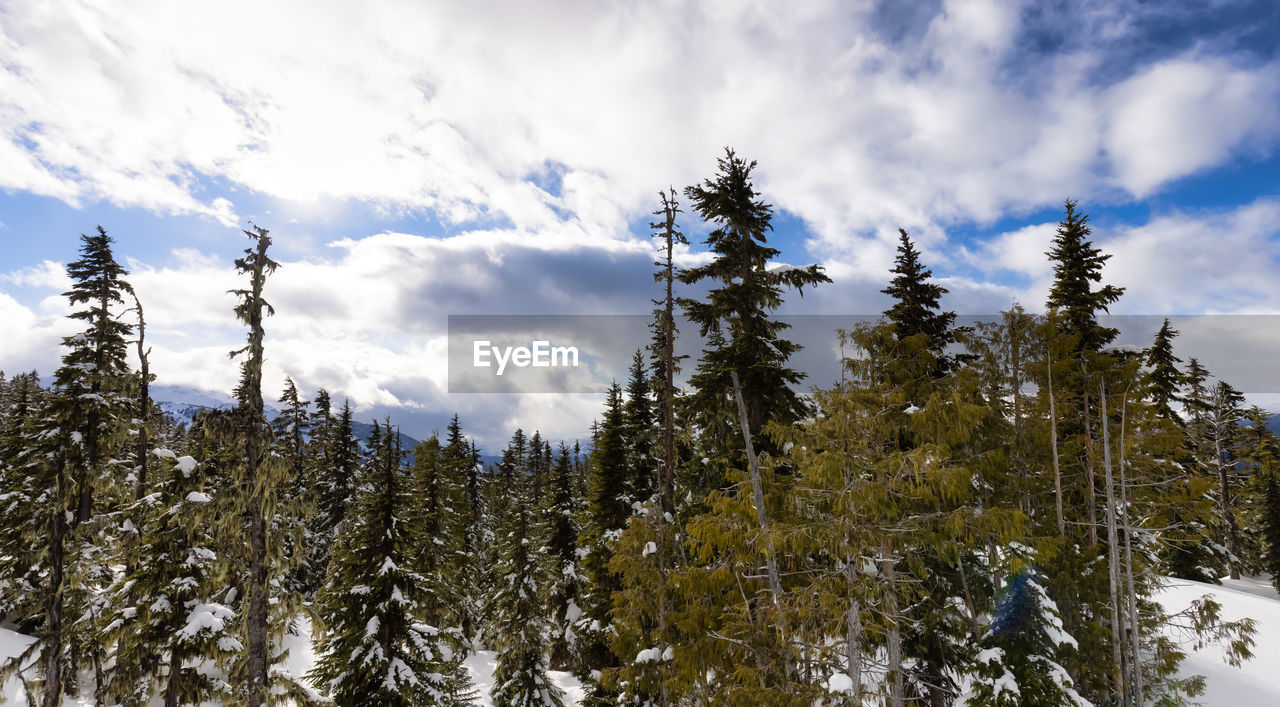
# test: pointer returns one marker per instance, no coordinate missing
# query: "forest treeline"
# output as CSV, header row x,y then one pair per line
x,y
970,515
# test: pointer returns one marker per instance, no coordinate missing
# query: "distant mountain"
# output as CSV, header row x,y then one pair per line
x,y
181,403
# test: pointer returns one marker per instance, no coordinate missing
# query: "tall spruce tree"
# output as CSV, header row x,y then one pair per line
x,y
65,467
1163,377
744,291
607,512
520,678
916,310
376,648
562,549
1077,263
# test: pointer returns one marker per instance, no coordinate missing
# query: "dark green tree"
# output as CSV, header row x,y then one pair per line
x,y
373,602
1076,265
744,291
520,678
916,309
1163,377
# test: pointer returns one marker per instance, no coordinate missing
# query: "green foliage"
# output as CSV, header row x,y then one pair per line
x,y
376,648
170,612
519,615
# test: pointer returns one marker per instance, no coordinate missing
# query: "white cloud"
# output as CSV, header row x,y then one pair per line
x,y
1221,261
1187,114
460,108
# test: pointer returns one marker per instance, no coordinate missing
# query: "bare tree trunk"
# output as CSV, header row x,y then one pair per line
x,y
1113,554
1053,438
893,636
1091,479
1135,634
853,632
757,489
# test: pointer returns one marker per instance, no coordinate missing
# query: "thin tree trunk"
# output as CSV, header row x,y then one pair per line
x,y
1113,554
757,488
51,651
1135,656
172,693
1091,479
1053,438
666,486
893,636
853,633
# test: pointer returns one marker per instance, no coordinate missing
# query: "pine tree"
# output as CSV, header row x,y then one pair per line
x,y
291,429
562,548
1163,378
638,433
915,309
65,468
607,513
1271,525
1224,417
1021,658
1076,264
465,530
167,613
520,678
375,647
746,292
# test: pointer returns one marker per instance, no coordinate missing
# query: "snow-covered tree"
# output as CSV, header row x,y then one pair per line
x,y
167,617
375,647
518,613
1021,658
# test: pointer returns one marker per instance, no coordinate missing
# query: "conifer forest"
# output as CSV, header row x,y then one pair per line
x,y
970,515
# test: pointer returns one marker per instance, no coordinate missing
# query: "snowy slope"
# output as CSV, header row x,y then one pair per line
x,y
1256,682
300,659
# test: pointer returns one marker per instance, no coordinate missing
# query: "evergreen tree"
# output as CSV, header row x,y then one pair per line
x,y
562,549
607,514
1271,525
915,309
465,530
1077,264
291,429
375,647
1163,378
1020,663
64,468
638,432
1224,417
166,616
745,291
263,514
520,678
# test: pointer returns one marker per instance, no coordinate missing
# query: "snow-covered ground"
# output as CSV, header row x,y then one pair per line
x,y
1257,682
481,665
298,662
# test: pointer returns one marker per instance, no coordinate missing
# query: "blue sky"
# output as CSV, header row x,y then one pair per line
x,y
414,162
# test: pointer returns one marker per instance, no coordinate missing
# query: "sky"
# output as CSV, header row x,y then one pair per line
x,y
419,160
